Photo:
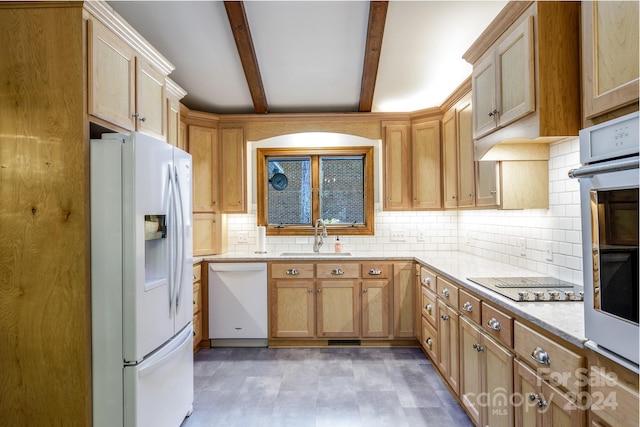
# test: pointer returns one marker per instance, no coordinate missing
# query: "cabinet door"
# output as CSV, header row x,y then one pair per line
x,y
375,308
497,383
203,146
209,233
450,159
173,122
292,309
397,169
515,70
609,55
526,388
338,308
483,84
425,142
150,100
487,183
561,411
471,370
403,300
448,361
233,185
111,77
466,164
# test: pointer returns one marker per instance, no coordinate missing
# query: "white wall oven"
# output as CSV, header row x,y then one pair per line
x,y
609,205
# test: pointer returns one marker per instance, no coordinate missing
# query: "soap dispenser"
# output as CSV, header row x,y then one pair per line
x,y
338,245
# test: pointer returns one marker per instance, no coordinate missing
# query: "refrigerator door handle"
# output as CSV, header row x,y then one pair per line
x,y
171,226
180,259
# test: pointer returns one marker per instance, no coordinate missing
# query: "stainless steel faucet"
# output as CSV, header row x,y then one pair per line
x,y
318,239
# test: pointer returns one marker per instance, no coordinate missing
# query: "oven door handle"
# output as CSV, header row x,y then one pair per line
x,y
599,168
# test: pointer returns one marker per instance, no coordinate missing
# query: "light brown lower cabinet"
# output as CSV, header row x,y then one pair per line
x,y
404,300
486,377
538,403
447,355
429,340
375,308
292,309
338,308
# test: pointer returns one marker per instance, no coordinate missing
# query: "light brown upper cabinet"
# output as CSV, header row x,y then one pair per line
x,y
397,172
175,130
503,81
609,56
526,75
233,184
125,89
203,146
412,165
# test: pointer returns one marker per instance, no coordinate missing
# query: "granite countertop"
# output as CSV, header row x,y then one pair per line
x,y
563,319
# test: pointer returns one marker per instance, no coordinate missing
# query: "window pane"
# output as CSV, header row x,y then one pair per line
x,y
342,189
291,205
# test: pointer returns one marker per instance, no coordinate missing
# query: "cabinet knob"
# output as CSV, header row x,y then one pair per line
x,y
429,307
429,342
292,272
364,291
494,324
467,307
470,195
375,272
337,272
445,292
310,291
426,281
453,197
319,291
444,317
492,192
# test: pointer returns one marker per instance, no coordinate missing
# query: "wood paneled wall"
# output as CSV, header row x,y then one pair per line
x,y
45,346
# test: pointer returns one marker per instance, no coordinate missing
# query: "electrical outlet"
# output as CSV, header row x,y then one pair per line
x,y
523,246
548,250
398,236
243,237
422,236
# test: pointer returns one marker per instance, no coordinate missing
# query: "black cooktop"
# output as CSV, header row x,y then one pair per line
x,y
533,289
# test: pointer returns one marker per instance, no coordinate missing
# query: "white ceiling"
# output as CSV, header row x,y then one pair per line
x,y
311,53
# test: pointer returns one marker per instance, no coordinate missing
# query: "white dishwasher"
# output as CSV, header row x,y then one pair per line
x,y
238,304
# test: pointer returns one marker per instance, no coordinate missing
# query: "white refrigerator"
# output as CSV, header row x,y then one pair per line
x,y
141,282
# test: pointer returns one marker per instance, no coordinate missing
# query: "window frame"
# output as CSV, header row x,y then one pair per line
x,y
262,182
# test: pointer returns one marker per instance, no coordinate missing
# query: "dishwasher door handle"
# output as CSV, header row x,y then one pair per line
x,y
238,267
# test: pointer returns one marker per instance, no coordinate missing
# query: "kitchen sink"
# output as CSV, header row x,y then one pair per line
x,y
315,254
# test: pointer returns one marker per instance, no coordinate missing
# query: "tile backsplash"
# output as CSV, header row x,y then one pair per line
x,y
551,237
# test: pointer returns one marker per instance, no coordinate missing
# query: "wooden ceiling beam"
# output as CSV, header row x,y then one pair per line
x,y
244,43
375,31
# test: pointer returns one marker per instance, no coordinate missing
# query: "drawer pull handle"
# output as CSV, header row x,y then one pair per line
x,y
540,356
467,307
429,342
426,281
375,272
445,292
494,324
429,307
293,272
337,272
541,403
444,317
478,347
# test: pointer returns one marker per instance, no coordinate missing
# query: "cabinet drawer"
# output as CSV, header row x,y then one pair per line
x,y
197,270
196,298
337,270
469,306
447,291
292,271
429,308
429,339
374,270
497,324
197,330
551,360
428,278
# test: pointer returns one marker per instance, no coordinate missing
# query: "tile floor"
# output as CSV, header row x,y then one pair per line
x,y
329,386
